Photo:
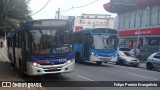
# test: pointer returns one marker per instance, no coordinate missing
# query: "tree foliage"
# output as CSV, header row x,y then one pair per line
x,y
13,10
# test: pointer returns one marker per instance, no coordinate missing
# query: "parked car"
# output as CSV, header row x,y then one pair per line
x,y
126,59
153,61
131,52
124,49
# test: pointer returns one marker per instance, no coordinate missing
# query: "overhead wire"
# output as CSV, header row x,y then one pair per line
x,y
41,8
80,6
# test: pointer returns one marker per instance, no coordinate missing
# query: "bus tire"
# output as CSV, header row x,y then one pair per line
x,y
21,73
99,62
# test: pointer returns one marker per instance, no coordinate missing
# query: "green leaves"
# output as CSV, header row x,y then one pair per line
x,y
14,11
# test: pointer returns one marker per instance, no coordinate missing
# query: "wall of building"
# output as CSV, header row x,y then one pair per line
x,y
94,21
150,17
129,23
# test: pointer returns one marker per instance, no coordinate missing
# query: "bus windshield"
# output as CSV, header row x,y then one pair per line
x,y
50,41
102,41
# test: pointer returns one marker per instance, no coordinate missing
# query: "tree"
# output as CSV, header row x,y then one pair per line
x,y
18,9
13,11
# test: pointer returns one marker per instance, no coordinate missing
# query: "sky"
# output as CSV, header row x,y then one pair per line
x,y
49,11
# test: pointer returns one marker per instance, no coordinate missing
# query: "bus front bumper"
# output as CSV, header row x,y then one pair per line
x,y
50,69
100,58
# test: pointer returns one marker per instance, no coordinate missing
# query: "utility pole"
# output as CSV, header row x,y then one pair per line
x,y
58,13
131,3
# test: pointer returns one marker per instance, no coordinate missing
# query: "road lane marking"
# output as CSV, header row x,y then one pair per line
x,y
142,76
86,78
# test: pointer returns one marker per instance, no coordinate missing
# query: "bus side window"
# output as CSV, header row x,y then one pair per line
x,y
77,38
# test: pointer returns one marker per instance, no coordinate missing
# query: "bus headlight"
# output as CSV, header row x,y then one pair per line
x,y
69,61
34,64
94,54
115,55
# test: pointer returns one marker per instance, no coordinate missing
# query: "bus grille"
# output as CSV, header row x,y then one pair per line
x,y
52,64
52,70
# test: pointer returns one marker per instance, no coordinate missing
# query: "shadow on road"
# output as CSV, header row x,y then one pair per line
x,y
94,64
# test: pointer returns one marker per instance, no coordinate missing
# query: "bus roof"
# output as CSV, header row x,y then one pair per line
x,y
45,23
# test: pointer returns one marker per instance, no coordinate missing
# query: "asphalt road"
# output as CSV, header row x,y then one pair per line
x,y
106,72
95,74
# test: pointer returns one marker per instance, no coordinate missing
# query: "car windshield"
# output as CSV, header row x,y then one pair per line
x,y
50,41
121,53
102,41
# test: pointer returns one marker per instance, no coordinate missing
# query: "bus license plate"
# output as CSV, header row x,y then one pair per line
x,y
52,68
105,58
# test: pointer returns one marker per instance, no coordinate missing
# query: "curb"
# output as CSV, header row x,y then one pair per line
x,y
41,88
141,67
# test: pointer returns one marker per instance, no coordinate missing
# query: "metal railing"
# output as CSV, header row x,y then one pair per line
x,y
146,51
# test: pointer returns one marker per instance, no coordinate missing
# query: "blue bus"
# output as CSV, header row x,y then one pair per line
x,y
42,47
95,45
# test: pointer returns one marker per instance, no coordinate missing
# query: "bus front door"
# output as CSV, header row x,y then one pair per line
x,y
86,46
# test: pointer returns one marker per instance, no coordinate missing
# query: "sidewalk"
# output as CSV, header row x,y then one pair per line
x,y
7,73
142,64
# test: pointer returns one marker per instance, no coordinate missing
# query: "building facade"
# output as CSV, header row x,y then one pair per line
x,y
86,21
144,16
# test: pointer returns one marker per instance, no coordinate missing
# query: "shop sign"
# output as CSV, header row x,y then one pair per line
x,y
147,31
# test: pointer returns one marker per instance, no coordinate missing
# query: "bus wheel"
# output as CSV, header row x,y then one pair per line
x,y
21,73
121,62
99,63
78,58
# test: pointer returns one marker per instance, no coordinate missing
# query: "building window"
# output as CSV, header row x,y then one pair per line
x,y
158,17
148,17
121,21
153,42
80,21
137,23
83,22
87,17
132,19
127,21
143,18
154,15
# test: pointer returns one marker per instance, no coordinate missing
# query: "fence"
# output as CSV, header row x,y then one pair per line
x,y
146,51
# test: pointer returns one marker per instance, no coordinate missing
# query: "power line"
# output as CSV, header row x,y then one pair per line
x,y
41,8
80,6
